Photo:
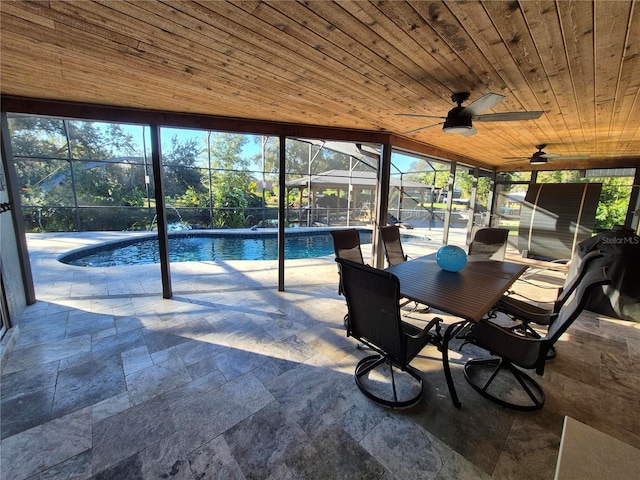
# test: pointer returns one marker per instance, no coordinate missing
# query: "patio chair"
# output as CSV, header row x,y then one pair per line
x,y
390,236
527,313
374,320
489,242
394,252
346,244
513,352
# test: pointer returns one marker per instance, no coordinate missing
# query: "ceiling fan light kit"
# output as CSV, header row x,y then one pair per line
x,y
537,161
457,129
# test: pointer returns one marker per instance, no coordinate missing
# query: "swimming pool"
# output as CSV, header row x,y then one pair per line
x,y
200,247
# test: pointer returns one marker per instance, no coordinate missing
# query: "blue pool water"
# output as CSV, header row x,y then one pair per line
x,y
207,247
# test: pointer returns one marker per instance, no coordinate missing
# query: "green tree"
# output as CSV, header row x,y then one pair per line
x,y
40,145
89,142
559,176
464,181
38,137
234,188
100,177
53,155
180,167
614,202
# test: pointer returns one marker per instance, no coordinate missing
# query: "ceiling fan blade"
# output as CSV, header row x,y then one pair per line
x,y
423,128
418,115
549,156
481,104
567,157
508,116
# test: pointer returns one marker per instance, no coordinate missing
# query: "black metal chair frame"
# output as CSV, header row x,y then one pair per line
x,y
374,319
513,352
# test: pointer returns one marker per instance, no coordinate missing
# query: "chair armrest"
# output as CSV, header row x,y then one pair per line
x,y
544,287
427,329
523,310
512,293
513,304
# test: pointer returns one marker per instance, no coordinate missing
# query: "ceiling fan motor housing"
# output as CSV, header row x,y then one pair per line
x,y
538,158
456,121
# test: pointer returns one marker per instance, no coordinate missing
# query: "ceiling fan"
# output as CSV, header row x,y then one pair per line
x,y
459,119
541,158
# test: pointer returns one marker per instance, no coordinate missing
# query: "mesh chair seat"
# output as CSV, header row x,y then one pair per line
x,y
393,250
346,244
527,312
489,243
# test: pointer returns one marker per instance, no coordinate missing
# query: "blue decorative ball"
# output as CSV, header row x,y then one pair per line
x,y
451,258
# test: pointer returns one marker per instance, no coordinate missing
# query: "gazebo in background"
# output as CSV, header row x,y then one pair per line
x,y
352,202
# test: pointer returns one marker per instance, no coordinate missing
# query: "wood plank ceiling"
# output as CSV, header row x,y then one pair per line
x,y
350,64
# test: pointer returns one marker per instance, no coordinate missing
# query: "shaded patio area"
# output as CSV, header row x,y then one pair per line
x,y
232,379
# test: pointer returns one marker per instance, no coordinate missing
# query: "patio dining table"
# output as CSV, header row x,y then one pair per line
x,y
469,293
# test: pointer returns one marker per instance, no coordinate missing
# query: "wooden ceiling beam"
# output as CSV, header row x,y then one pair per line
x,y
109,113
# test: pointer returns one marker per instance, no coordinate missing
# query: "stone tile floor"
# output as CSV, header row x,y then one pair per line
x,y
232,379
